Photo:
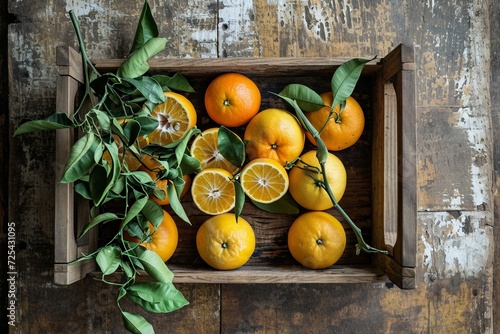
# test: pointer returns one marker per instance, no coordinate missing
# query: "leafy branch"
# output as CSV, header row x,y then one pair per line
x,y
303,98
112,127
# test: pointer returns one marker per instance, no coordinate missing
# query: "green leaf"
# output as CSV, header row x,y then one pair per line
x,y
53,122
153,213
146,29
239,198
138,177
137,63
345,78
148,87
183,143
131,131
285,205
135,209
175,203
157,297
231,146
307,99
102,218
81,158
82,188
136,323
148,124
98,183
154,265
190,164
108,259
100,84
178,82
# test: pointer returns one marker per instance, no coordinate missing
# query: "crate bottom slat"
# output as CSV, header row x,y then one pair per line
x,y
265,274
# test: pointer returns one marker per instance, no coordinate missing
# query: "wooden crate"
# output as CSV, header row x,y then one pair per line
x,y
381,169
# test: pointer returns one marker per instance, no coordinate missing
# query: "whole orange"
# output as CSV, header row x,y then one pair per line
x,y
306,181
162,240
232,99
343,129
316,240
275,134
224,243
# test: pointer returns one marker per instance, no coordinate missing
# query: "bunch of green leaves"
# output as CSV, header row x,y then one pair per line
x,y
304,99
115,112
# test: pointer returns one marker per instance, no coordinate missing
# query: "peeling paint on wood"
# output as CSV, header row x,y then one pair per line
x,y
455,244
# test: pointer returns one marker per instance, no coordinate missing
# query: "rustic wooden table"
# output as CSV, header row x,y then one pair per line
x,y
454,43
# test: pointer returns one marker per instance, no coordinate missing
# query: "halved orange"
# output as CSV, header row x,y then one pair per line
x,y
213,191
205,149
176,116
264,180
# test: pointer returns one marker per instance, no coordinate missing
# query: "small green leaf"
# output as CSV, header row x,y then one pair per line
x,y
82,188
178,82
153,213
239,198
81,158
148,124
134,210
307,99
157,297
345,78
131,131
190,164
148,87
146,29
154,265
285,205
175,203
53,122
98,183
181,147
136,323
102,218
108,259
231,146
137,63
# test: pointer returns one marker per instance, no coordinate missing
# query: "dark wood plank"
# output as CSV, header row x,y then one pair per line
x,y
495,112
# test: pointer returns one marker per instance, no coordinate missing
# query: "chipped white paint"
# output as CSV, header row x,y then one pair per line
x,y
455,245
473,87
236,26
207,40
82,7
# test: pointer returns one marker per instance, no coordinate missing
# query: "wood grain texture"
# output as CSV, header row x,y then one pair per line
x,y
455,274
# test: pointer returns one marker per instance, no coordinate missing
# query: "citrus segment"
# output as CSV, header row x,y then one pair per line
x,y
205,149
264,180
224,243
306,181
232,99
163,240
343,129
213,191
276,134
176,116
316,240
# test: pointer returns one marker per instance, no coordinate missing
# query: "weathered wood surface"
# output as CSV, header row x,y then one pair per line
x,y
455,136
